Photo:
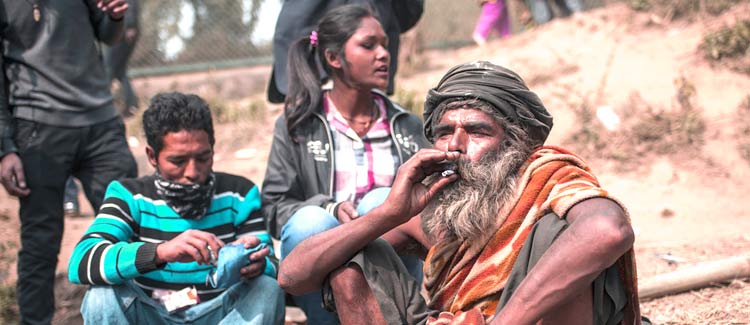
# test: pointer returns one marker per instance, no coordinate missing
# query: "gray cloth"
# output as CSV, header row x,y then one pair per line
x,y
609,293
401,303
502,88
53,71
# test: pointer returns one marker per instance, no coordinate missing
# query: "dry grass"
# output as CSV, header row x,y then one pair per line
x,y
645,130
743,132
729,47
677,9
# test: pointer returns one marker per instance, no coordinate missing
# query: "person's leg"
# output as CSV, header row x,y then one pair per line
x,y
116,61
377,272
486,21
353,297
105,157
503,23
46,153
258,301
540,11
574,6
308,221
121,304
372,200
70,205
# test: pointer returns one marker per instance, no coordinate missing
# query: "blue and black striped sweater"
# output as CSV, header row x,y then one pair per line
x,y
120,244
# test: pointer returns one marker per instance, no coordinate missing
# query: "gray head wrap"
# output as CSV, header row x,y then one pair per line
x,y
496,85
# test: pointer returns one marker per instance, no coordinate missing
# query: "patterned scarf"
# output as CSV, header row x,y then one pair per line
x,y
466,279
190,201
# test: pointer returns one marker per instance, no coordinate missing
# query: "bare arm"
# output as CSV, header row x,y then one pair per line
x,y
598,235
310,262
409,239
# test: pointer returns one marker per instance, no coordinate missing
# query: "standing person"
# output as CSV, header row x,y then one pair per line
x,y
542,12
116,63
494,16
157,235
56,120
116,58
299,17
333,150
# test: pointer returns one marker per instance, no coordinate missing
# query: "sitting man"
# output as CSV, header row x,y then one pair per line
x,y
157,235
517,232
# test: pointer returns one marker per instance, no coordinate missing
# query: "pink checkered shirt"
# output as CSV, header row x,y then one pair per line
x,y
361,164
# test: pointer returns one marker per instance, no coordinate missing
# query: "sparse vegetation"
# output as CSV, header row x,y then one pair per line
x,y
743,132
729,46
645,131
8,307
410,100
675,9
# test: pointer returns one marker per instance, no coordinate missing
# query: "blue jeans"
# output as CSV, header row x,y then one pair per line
x,y
542,13
257,301
311,220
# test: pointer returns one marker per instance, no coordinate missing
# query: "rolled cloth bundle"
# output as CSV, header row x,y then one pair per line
x,y
500,87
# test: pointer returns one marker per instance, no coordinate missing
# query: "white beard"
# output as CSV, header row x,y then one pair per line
x,y
468,208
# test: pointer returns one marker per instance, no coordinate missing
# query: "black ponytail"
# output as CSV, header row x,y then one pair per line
x,y
304,84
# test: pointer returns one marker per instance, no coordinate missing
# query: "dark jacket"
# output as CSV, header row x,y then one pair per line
x,y
53,71
297,19
300,174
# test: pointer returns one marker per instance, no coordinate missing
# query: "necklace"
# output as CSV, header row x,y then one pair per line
x,y
36,13
364,125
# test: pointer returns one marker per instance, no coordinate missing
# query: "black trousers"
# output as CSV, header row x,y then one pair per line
x,y
95,155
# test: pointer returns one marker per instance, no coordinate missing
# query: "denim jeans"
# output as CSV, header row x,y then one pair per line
x,y
257,301
311,220
542,13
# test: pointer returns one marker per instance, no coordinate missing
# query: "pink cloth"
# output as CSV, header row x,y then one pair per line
x,y
361,164
494,15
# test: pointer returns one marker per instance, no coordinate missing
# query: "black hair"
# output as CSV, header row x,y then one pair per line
x,y
333,30
174,112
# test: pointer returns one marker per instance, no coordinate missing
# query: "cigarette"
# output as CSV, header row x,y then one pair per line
x,y
447,172
211,254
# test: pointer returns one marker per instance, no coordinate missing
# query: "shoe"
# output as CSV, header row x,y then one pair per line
x,y
70,210
481,41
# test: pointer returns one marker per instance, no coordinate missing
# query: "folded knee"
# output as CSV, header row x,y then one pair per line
x,y
99,301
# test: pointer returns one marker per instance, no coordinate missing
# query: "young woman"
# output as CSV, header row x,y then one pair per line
x,y
334,150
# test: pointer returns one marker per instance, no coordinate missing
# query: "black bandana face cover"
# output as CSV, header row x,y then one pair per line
x,y
190,201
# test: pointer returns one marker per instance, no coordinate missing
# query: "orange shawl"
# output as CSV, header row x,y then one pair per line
x,y
466,279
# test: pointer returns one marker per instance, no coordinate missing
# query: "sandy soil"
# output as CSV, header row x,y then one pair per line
x,y
693,207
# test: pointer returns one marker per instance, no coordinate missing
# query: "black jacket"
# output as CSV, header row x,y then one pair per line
x,y
300,174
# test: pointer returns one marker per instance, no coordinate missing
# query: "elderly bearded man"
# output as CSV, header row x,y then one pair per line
x,y
520,233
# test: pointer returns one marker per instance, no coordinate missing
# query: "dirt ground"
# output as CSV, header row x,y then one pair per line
x,y
685,208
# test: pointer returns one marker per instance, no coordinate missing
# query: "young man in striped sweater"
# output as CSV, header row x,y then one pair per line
x,y
159,234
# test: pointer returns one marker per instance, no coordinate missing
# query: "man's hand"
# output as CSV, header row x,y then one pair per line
x,y
115,8
12,176
191,245
257,259
408,196
346,212
131,34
